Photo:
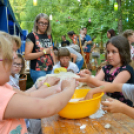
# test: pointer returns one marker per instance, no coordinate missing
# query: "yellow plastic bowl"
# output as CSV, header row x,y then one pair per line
x,y
81,109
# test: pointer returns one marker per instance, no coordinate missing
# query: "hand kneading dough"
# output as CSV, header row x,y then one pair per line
x,y
63,76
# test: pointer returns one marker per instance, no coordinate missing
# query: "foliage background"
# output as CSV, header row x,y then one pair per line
x,y
71,15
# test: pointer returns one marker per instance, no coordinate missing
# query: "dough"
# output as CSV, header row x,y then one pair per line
x,y
63,76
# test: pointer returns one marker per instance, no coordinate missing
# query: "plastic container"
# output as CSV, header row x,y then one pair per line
x,y
81,109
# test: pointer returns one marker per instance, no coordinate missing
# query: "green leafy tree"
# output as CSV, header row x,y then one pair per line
x,y
97,15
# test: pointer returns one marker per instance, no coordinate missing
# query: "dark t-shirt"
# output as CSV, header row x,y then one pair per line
x,y
44,42
110,77
65,43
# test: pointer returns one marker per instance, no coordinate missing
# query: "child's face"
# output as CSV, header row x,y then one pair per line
x,y
5,72
113,56
17,65
64,61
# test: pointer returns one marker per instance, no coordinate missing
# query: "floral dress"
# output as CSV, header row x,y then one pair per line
x,y
110,77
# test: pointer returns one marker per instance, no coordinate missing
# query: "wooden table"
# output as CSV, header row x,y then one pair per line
x,y
120,124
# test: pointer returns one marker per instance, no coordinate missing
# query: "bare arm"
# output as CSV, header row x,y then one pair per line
x,y
74,57
97,81
89,42
28,51
21,106
93,47
122,77
43,91
118,79
100,75
115,106
109,87
128,110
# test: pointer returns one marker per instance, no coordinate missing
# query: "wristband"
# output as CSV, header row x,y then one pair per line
x,y
44,51
47,84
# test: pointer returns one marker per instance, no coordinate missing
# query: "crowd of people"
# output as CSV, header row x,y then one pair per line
x,y
21,110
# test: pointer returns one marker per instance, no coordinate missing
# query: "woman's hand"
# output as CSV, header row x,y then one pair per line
x,y
112,105
47,50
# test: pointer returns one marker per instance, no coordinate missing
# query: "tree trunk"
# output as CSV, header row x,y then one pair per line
x,y
120,17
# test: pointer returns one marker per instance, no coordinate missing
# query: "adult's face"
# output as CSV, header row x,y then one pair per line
x,y
85,31
70,37
131,39
42,25
63,38
108,35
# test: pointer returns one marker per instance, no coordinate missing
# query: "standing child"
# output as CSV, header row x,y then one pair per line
x,y
18,68
64,60
118,70
16,105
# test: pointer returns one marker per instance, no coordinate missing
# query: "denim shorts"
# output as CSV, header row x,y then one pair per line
x,y
36,74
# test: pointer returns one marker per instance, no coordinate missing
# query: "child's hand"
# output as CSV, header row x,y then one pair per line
x,y
83,78
69,84
52,80
85,71
112,105
89,95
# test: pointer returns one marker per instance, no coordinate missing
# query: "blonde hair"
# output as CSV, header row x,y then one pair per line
x,y
6,50
8,36
17,40
127,33
45,16
63,52
23,63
